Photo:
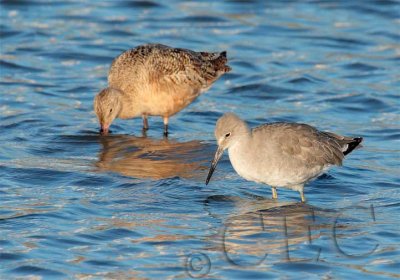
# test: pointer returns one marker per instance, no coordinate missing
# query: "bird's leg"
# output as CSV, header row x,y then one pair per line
x,y
274,193
165,126
303,198
145,123
144,133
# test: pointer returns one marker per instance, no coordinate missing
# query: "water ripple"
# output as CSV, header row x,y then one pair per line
x,y
78,205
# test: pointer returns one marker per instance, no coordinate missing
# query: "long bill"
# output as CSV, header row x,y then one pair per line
x,y
104,129
214,163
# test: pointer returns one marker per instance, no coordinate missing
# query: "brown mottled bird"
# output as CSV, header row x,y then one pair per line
x,y
156,80
279,154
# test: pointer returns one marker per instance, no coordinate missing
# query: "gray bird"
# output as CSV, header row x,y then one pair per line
x,y
279,154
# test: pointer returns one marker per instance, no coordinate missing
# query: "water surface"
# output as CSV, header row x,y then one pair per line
x,y
76,205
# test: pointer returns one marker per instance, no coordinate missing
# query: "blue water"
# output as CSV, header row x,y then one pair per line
x,y
76,205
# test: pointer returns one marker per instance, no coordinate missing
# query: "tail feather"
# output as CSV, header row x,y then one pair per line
x,y
220,62
213,66
356,142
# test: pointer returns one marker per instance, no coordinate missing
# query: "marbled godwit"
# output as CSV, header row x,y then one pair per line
x,y
156,80
279,154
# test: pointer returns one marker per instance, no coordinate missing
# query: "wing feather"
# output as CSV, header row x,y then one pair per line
x,y
305,143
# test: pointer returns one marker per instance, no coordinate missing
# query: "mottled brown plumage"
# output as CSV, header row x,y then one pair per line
x,y
157,80
279,154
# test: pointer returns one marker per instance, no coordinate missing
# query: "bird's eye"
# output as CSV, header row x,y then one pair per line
x,y
227,135
110,110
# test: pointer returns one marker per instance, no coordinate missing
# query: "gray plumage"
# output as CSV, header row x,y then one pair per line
x,y
280,154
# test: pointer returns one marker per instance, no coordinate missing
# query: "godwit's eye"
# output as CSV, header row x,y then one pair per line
x,y
110,110
227,135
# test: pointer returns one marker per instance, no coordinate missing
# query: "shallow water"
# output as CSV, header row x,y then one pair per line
x,y
75,205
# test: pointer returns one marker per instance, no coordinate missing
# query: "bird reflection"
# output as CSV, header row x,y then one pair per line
x,y
259,229
143,157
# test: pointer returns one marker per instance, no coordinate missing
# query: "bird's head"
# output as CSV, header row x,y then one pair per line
x,y
107,106
228,130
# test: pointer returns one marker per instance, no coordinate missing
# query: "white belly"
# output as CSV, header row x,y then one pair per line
x,y
261,169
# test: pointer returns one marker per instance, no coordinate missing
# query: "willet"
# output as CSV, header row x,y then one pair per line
x,y
279,154
156,80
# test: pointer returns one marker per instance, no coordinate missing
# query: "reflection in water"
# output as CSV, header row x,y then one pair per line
x,y
143,157
266,230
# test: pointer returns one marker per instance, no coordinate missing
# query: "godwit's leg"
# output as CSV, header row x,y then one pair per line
x,y
145,123
274,193
303,198
165,126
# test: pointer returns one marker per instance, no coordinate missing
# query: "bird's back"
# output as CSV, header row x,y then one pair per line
x,y
160,66
304,144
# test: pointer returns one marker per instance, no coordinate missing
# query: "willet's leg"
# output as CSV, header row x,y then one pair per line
x,y
145,123
165,126
274,193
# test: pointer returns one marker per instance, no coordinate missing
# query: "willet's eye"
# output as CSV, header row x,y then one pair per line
x,y
227,135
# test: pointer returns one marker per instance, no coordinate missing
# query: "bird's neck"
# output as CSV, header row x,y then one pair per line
x,y
129,107
242,146
240,155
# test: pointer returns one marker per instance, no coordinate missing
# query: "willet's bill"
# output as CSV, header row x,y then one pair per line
x,y
156,80
279,154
